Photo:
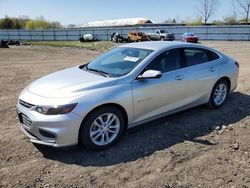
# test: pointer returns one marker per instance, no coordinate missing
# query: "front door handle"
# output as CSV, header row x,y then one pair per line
x,y
180,77
211,69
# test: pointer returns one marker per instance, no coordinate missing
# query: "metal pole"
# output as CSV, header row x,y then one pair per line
x,y
8,34
107,34
30,35
18,35
54,35
248,32
43,35
228,32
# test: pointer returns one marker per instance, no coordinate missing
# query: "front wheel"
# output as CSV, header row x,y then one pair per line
x,y
219,94
102,128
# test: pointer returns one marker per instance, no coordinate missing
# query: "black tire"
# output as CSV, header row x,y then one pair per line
x,y
84,134
162,38
212,103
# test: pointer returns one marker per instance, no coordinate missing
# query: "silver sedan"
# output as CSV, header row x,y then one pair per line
x,y
95,103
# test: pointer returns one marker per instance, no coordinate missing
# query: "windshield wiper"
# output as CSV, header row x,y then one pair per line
x,y
105,74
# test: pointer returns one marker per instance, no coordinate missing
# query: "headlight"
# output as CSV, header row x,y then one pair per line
x,y
55,110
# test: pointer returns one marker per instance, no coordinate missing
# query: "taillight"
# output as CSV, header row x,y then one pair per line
x,y
237,64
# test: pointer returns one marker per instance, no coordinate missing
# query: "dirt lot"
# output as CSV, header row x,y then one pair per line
x,y
196,148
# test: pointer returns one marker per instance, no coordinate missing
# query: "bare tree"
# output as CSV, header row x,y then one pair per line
x,y
244,8
207,9
234,10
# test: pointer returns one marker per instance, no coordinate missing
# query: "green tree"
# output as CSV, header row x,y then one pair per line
x,y
230,20
6,23
196,22
25,22
37,24
55,25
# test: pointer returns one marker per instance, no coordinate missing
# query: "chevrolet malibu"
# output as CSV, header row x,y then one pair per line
x,y
93,104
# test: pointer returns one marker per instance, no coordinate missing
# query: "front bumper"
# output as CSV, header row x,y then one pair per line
x,y
51,130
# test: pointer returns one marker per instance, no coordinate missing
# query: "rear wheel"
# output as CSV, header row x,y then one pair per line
x,y
102,128
219,94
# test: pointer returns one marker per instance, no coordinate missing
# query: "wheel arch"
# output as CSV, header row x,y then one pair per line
x,y
227,79
118,106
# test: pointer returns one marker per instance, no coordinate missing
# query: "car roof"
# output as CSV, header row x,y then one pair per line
x,y
159,45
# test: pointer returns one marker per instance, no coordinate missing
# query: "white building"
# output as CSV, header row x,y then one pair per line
x,y
118,22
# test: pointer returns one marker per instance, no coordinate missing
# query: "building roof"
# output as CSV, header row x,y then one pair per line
x,y
118,22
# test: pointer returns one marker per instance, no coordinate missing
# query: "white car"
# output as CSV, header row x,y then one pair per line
x,y
94,104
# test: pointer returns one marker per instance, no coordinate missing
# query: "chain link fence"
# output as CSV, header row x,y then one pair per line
x,y
236,33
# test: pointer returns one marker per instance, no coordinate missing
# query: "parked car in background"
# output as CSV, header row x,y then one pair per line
x,y
162,35
4,44
190,37
95,103
117,37
87,38
137,37
14,42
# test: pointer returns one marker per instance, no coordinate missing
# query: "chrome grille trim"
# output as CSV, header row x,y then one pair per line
x,y
25,104
26,120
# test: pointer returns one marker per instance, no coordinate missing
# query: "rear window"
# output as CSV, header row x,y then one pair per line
x,y
212,56
195,56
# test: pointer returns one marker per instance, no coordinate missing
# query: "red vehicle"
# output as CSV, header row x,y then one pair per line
x,y
189,37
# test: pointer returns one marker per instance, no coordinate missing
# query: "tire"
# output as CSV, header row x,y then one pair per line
x,y
162,38
92,125
219,94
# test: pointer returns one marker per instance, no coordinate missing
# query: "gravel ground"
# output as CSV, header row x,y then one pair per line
x,y
196,148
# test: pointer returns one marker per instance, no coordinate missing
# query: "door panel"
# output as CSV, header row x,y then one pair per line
x,y
202,68
155,96
201,80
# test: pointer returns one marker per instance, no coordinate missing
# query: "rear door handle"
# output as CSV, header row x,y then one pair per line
x,y
211,69
180,77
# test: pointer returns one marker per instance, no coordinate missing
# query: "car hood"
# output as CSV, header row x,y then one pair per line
x,y
68,83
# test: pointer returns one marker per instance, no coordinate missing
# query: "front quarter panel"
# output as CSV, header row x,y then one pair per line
x,y
118,94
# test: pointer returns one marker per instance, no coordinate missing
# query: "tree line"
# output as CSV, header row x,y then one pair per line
x,y
27,23
240,13
206,9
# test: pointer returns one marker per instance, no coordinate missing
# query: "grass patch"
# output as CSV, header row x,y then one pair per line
x,y
100,46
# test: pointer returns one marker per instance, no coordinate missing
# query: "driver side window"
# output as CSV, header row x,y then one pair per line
x,y
166,62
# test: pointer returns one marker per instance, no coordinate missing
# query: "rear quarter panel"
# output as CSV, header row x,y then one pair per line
x,y
228,69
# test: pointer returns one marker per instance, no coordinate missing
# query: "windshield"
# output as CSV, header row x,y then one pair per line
x,y
118,62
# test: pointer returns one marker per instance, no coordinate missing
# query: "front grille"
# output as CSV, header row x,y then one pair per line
x,y
25,104
25,120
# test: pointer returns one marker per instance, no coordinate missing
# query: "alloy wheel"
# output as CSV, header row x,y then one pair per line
x,y
104,129
220,94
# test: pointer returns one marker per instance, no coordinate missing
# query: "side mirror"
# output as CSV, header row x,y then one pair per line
x,y
150,74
